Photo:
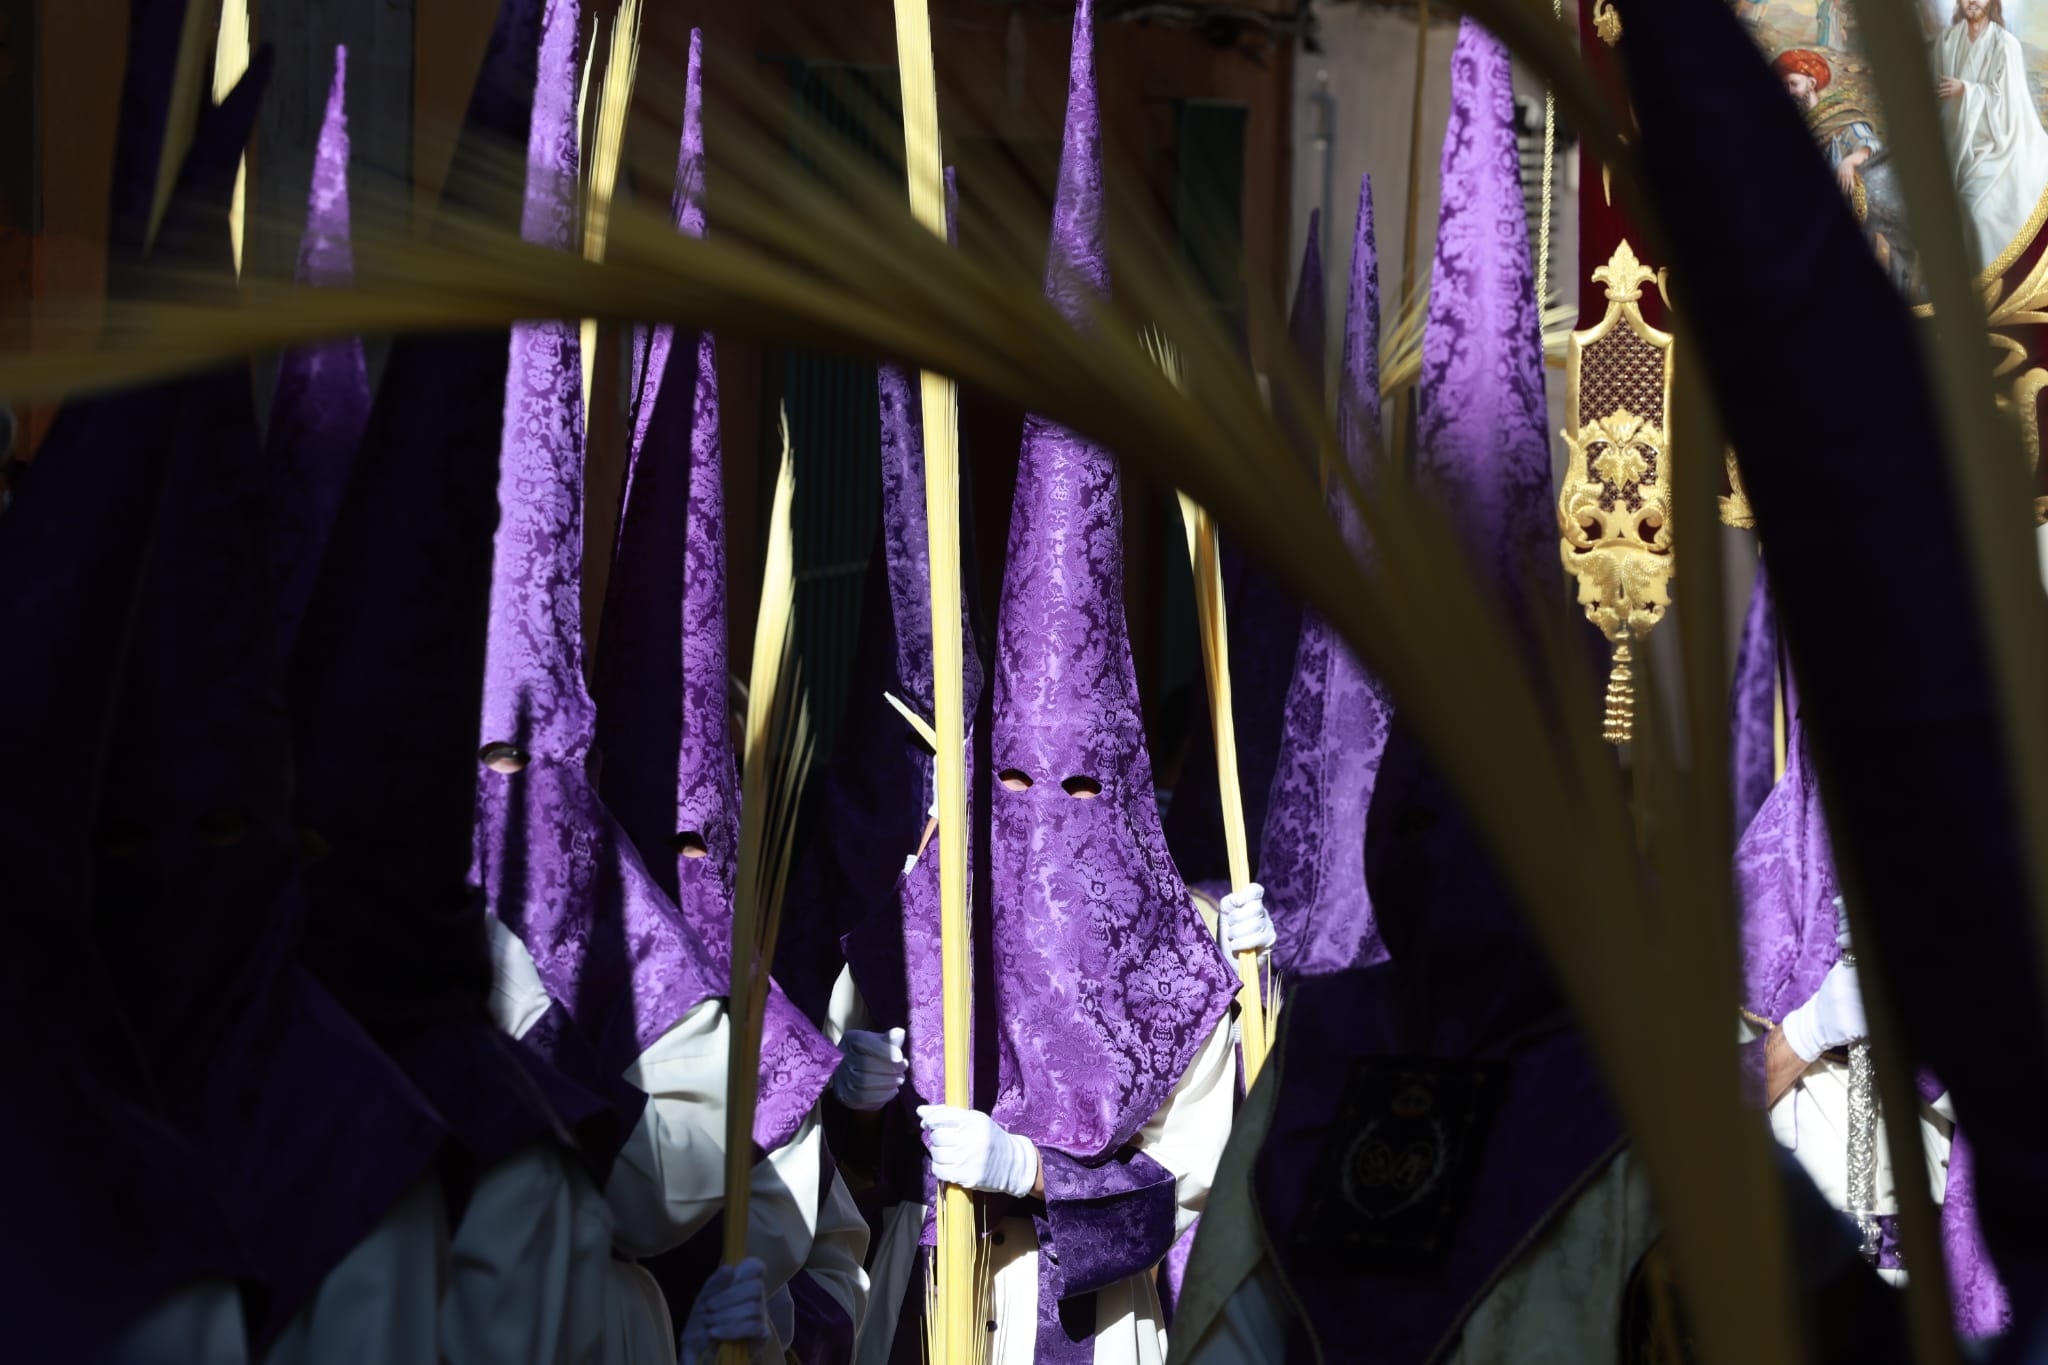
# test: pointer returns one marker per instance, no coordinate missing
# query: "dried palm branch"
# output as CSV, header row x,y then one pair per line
x,y
775,764
1255,1013
230,63
953,1331
1649,963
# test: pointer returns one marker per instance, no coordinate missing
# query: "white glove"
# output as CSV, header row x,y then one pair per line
x,y
1833,1017
972,1150
732,1306
871,1070
1246,925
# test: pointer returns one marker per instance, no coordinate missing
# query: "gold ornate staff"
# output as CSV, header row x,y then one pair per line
x,y
1615,507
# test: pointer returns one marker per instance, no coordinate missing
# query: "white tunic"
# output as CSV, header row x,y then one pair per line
x,y
383,1301
200,1325
1811,1120
1998,151
528,1266
1186,1136
669,1178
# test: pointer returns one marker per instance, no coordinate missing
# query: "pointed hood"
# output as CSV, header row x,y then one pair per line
x,y
609,943
309,1134
1313,856
1753,705
1108,981
1265,630
99,1152
669,774
1482,438
322,399
385,684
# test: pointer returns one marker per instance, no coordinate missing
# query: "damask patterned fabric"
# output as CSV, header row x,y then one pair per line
x,y
1313,859
1106,982
1785,875
663,666
322,400
308,1133
610,944
1482,440
1752,705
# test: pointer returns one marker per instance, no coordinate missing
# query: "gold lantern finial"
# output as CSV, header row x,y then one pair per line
x,y
1615,508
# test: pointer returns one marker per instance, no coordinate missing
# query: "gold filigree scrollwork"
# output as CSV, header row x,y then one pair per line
x,y
1735,510
1606,22
1614,511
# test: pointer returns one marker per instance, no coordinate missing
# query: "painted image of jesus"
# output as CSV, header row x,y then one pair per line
x,y
1998,150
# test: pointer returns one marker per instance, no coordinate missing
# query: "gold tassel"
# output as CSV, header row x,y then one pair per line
x,y
1621,696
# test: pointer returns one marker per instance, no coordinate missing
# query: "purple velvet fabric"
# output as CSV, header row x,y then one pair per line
x,y
1313,857
1899,699
610,946
662,669
89,1148
1752,705
1103,1222
1785,876
322,400
1106,981
308,1133
1482,437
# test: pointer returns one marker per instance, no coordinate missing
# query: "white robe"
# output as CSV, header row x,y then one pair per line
x,y
199,1325
529,1267
1186,1136
383,1301
669,1178
1998,150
